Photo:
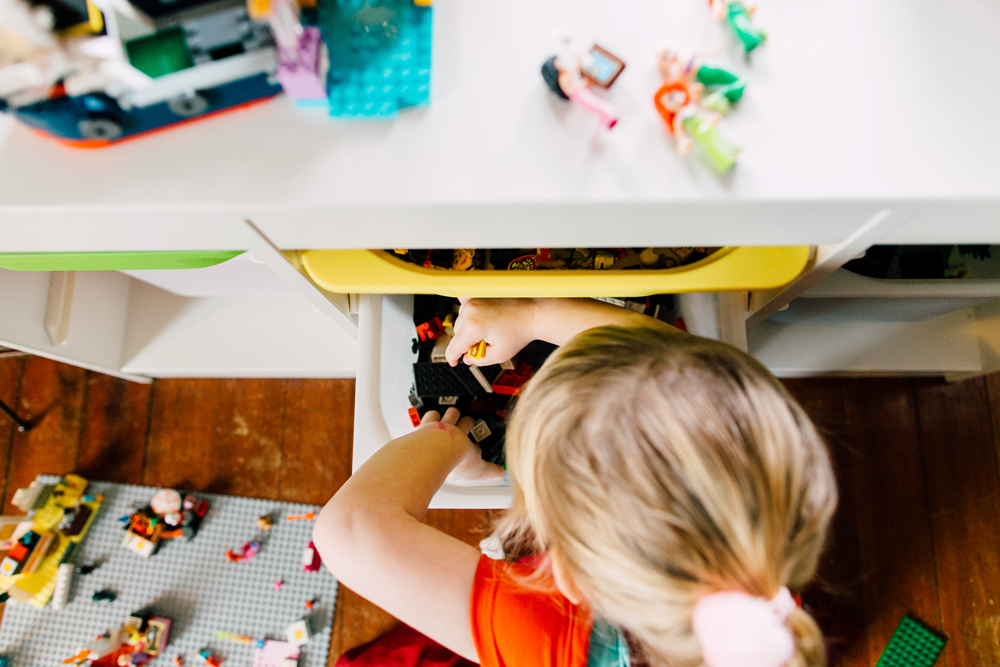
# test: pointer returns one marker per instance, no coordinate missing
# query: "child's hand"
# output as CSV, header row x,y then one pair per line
x,y
507,325
472,467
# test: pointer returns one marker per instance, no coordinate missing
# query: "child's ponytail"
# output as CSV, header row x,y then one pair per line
x,y
664,470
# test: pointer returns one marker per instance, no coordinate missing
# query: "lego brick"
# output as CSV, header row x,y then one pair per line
x,y
380,56
912,645
189,582
440,379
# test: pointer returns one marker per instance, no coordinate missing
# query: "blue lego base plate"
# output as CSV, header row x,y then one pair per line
x,y
380,56
190,582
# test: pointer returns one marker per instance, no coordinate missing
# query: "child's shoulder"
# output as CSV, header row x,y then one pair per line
x,y
519,618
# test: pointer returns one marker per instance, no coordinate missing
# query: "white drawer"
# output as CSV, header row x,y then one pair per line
x,y
385,375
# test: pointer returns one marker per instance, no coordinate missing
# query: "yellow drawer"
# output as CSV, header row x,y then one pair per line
x,y
729,269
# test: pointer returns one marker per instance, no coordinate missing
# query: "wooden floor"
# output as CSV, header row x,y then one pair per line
x,y
916,459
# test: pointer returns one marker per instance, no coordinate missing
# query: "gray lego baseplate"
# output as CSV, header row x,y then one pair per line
x,y
190,582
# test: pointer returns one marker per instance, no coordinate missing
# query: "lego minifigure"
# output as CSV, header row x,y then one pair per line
x,y
265,522
311,559
303,58
738,17
677,102
724,88
564,76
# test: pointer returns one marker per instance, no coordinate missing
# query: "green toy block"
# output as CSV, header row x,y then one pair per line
x,y
161,53
912,645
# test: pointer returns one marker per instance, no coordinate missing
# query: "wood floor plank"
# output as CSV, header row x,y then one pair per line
x,y
894,534
963,494
470,526
10,384
318,439
356,622
993,394
115,419
836,599
219,436
51,394
182,423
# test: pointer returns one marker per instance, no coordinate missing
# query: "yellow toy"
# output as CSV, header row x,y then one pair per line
x,y
59,516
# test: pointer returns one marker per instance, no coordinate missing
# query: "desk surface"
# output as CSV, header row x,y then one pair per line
x,y
849,101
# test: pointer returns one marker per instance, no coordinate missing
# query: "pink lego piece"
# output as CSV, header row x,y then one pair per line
x,y
311,559
278,584
274,653
304,77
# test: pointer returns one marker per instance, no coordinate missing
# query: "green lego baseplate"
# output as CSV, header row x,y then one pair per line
x,y
912,645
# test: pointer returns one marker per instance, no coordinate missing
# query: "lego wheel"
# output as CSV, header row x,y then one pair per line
x,y
105,129
191,104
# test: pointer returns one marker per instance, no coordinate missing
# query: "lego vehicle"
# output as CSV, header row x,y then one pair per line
x,y
133,67
33,546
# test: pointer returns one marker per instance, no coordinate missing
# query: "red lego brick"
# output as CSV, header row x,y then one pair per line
x,y
430,330
414,417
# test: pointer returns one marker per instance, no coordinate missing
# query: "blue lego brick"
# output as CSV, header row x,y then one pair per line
x,y
380,56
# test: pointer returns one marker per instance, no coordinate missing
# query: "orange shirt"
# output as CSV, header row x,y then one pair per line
x,y
517,626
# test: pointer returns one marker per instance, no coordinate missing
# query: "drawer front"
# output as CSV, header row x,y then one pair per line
x,y
730,269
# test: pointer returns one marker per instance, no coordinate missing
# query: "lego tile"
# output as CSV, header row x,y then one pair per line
x,y
192,583
911,645
380,56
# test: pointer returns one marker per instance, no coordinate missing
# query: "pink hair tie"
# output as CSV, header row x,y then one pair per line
x,y
739,630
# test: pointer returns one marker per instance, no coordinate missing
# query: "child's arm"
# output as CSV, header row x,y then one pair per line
x,y
510,324
371,538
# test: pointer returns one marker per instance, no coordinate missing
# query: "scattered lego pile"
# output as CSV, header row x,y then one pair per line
x,y
33,547
485,393
142,637
537,259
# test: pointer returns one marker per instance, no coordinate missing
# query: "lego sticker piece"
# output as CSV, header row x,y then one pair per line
x,y
563,74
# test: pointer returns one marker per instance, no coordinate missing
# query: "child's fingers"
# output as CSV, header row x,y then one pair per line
x,y
451,416
465,424
461,343
492,471
430,416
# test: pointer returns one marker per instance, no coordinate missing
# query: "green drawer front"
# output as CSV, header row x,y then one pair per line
x,y
114,261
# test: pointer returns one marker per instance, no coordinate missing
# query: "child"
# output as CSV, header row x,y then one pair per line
x,y
675,489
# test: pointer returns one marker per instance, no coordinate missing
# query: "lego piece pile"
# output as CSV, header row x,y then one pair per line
x,y
535,259
485,393
169,515
142,637
32,547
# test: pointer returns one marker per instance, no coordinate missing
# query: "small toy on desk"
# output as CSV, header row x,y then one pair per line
x,y
738,17
677,101
311,559
168,516
59,516
723,88
303,58
564,74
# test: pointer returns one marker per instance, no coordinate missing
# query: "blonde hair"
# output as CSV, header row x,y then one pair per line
x,y
660,468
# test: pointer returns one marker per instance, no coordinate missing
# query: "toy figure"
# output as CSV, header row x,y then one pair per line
x,y
723,87
677,100
738,17
563,73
